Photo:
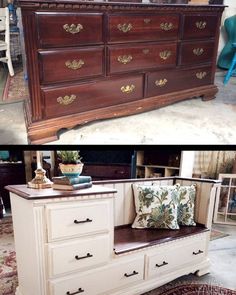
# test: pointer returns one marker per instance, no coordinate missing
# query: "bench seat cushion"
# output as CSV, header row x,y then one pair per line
x,y
128,239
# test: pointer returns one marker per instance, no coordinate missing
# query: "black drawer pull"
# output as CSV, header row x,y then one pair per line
x,y
132,274
80,290
199,252
82,257
82,221
163,264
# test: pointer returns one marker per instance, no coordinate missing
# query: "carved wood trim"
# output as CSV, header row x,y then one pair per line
x,y
117,6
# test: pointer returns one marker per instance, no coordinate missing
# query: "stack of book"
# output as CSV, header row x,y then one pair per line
x,y
70,184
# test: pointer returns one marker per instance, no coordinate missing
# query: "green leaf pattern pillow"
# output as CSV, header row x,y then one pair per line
x,y
156,206
187,195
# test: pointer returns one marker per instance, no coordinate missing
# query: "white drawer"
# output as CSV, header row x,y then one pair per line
x,y
102,281
78,219
171,257
78,254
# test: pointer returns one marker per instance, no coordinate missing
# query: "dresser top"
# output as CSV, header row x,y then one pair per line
x,y
49,193
111,3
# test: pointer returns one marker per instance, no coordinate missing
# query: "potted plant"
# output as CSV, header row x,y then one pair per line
x,y
71,165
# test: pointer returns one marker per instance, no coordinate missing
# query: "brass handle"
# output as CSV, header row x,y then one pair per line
x,y
147,20
146,51
127,89
124,28
165,54
201,25
73,29
166,26
201,75
67,99
161,82
198,51
124,59
74,64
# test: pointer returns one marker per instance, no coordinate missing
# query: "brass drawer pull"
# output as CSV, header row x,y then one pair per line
x,y
198,51
67,99
132,274
80,290
147,20
197,253
166,26
146,51
165,54
83,257
161,82
201,75
124,28
125,59
127,89
82,221
201,25
73,29
163,264
74,64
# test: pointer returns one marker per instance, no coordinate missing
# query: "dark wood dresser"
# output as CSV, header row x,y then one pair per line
x,y
10,173
90,60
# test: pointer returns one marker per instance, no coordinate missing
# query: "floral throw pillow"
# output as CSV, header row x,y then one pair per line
x,y
187,195
156,206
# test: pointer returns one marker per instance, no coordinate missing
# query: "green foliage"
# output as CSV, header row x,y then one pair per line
x,y
70,157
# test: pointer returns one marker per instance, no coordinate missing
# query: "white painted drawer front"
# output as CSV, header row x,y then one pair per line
x,y
78,254
79,219
170,257
102,280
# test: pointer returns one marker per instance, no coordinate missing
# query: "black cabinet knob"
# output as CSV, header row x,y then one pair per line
x,y
130,275
82,221
163,264
80,290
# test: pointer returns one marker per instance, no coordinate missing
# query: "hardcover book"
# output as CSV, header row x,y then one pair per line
x,y
71,187
72,180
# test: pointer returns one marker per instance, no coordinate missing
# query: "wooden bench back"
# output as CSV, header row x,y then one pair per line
x,y
124,200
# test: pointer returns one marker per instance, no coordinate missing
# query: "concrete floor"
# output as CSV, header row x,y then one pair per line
x,y
222,253
189,122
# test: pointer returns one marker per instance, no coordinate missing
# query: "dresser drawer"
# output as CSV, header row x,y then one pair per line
x,y
131,27
71,64
199,26
101,281
91,95
65,221
165,260
168,81
138,57
107,171
196,52
68,29
78,254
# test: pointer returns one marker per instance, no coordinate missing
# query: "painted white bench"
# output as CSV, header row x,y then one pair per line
x,y
81,241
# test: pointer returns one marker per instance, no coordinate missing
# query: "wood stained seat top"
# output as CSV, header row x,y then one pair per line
x,y
128,239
